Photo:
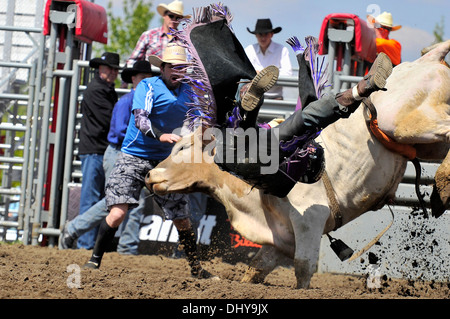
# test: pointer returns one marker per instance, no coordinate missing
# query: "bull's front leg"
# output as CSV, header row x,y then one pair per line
x,y
267,258
440,198
305,265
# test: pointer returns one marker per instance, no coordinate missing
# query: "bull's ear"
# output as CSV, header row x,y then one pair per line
x,y
205,134
208,138
198,131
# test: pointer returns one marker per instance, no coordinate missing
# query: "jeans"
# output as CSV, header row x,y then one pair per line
x,y
199,202
92,191
109,159
128,231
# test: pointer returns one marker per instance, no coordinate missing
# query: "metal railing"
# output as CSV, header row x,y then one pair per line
x,y
16,132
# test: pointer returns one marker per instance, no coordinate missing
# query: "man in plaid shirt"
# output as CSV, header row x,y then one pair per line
x,y
153,42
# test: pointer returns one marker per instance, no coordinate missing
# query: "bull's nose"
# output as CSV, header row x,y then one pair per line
x,y
155,175
156,181
148,183
148,178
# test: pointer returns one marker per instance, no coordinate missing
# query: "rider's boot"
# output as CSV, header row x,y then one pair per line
x,y
375,80
252,93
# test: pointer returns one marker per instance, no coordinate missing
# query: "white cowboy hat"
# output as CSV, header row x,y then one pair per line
x,y
174,7
173,54
384,19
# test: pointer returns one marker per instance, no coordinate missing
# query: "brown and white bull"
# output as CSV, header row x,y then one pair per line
x,y
363,173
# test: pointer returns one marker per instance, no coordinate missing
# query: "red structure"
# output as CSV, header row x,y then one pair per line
x,y
91,20
84,22
351,40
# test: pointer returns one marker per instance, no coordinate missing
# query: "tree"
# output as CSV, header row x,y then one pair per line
x,y
124,30
438,31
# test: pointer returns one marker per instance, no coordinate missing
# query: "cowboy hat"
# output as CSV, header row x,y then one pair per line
x,y
174,7
108,58
264,26
138,67
173,54
385,20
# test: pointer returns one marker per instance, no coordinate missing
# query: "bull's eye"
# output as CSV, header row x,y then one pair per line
x,y
176,149
180,147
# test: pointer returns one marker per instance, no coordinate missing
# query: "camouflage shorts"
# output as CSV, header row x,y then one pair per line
x,y
126,181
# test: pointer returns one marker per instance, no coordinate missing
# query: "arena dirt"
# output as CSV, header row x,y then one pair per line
x,y
45,273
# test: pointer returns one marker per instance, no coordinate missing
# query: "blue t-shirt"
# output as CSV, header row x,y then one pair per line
x,y
120,119
167,111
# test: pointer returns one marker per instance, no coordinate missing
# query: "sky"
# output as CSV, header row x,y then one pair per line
x,y
302,18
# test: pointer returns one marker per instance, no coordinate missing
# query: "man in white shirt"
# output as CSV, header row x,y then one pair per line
x,y
267,52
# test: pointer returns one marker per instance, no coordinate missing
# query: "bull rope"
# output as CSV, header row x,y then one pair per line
x,y
403,149
334,205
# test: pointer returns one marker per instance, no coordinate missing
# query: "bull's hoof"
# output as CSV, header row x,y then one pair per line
x,y
440,197
253,276
204,274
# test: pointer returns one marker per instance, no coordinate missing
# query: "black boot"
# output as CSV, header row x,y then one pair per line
x,y
104,238
188,242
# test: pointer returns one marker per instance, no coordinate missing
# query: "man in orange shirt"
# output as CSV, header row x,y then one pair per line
x,y
383,25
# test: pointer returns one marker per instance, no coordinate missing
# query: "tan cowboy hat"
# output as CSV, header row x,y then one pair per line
x,y
173,54
384,19
174,7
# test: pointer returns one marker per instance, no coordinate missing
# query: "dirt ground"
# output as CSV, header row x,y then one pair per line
x,y
48,273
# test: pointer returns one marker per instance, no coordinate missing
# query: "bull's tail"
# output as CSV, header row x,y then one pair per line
x,y
420,196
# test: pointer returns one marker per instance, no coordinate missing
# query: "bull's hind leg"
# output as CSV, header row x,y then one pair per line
x,y
440,198
267,258
308,230
438,52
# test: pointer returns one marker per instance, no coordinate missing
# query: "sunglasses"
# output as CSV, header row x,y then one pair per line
x,y
379,26
174,17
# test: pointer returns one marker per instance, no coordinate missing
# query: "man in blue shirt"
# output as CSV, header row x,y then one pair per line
x,y
160,105
81,224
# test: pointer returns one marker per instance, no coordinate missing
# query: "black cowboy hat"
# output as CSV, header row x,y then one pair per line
x,y
108,58
264,26
138,67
